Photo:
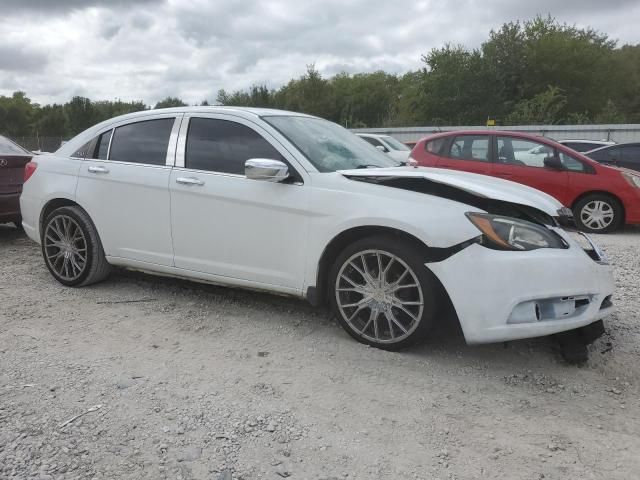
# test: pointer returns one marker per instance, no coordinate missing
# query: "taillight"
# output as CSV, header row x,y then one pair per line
x,y
29,169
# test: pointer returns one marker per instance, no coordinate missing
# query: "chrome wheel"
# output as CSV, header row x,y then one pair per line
x,y
379,296
597,215
65,247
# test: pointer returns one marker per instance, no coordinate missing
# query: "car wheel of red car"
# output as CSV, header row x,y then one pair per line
x,y
598,213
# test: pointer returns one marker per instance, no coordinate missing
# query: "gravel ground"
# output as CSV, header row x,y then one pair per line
x,y
142,377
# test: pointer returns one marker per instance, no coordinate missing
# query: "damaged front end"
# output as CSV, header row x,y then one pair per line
x,y
520,220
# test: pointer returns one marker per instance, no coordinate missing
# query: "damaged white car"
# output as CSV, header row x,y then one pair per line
x,y
297,205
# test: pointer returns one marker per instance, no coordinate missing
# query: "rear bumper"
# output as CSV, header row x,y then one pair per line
x,y
9,207
500,296
30,208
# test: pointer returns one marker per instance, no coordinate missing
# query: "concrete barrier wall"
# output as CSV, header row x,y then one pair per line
x,y
617,133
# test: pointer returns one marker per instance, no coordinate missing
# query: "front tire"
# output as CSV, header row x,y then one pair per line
x,y
598,213
72,249
381,292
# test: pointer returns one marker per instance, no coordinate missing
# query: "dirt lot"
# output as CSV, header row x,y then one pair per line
x,y
192,381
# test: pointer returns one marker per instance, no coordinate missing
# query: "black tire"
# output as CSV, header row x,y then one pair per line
x,y
18,225
609,203
573,349
408,255
95,268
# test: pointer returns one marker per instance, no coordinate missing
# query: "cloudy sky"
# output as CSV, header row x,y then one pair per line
x,y
148,49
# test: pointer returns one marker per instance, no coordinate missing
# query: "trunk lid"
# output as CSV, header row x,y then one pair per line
x,y
12,172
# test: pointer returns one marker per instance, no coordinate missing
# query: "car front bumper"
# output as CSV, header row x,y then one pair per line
x,y
503,295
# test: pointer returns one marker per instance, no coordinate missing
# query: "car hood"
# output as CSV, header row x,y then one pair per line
x,y
473,183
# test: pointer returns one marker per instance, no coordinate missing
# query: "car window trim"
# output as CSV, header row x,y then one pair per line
x,y
181,146
166,163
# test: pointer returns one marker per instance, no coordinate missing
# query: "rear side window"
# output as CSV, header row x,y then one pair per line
x,y
631,154
142,142
607,154
435,146
373,141
83,151
224,146
102,146
470,147
581,146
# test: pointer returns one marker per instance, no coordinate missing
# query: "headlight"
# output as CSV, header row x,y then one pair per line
x,y
634,180
506,233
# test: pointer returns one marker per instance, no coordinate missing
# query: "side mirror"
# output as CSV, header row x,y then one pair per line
x,y
553,162
266,169
381,148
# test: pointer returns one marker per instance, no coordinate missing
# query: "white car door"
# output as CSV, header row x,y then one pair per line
x,y
226,225
125,188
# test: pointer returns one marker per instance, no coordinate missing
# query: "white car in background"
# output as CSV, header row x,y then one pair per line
x,y
297,205
389,145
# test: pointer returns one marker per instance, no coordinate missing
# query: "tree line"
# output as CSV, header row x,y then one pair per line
x,y
534,72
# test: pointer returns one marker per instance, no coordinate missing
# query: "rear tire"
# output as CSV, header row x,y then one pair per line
x,y
381,292
598,213
72,249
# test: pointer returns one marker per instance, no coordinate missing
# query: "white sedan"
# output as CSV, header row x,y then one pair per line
x,y
297,205
389,145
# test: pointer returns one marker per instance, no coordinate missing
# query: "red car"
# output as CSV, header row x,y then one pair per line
x,y
13,158
602,198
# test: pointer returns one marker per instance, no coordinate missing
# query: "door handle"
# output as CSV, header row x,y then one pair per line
x,y
189,181
98,169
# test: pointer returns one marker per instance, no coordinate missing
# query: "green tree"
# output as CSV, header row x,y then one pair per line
x,y
525,58
16,114
51,121
546,108
310,94
81,114
455,87
610,114
170,102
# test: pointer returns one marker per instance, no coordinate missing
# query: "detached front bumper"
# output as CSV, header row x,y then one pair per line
x,y
500,295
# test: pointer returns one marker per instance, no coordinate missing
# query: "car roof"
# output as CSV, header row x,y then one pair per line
x,y
616,145
372,135
243,112
508,133
603,142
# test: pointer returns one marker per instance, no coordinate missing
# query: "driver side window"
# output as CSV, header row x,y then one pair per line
x,y
223,146
523,152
